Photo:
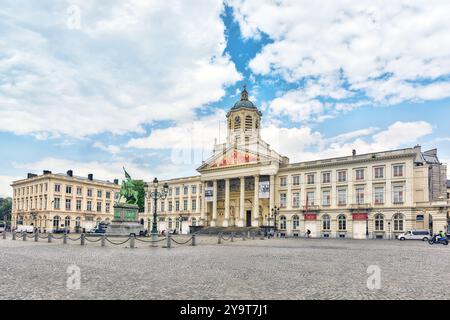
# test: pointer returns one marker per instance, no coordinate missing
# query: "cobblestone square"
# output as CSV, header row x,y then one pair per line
x,y
251,269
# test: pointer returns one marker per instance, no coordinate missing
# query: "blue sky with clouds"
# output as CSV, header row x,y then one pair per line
x,y
94,85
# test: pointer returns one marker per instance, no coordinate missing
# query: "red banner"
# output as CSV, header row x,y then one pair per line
x,y
359,216
310,216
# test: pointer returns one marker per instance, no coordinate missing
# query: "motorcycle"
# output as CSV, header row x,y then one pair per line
x,y
439,240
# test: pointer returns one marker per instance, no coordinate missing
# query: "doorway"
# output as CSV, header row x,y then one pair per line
x,y
249,218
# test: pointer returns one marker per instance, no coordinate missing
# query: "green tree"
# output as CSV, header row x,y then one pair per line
x,y
139,185
5,207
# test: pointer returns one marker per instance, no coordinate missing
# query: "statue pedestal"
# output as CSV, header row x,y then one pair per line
x,y
126,221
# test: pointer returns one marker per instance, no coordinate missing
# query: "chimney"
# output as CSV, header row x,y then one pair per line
x,y
116,181
31,175
70,173
354,152
90,176
47,172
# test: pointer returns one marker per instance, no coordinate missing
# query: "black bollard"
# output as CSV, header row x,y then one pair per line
x,y
132,241
103,240
169,241
24,236
193,240
65,238
82,239
36,236
14,235
49,238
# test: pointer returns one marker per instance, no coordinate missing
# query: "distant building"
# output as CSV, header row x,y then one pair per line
x,y
247,184
55,201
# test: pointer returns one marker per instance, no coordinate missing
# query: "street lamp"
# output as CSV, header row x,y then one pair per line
x,y
275,211
155,195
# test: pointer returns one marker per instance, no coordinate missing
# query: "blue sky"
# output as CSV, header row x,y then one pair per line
x,y
94,85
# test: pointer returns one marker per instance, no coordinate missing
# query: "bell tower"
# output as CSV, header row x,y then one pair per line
x,y
243,122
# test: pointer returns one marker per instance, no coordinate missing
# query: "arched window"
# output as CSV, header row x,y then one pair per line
x,y
237,123
67,222
326,222
342,223
19,221
379,222
295,222
77,222
193,221
248,123
399,222
283,223
170,223
177,223
56,220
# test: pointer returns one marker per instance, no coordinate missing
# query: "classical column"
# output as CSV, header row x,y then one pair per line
x,y
227,203
255,219
197,200
203,209
242,203
214,212
272,193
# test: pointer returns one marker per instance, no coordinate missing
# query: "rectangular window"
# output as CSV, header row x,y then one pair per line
x,y
379,172
107,207
170,192
379,195
283,182
194,189
326,197
78,205
398,170
89,192
194,205
56,203
99,207
170,206
310,178
283,200
177,191
342,197
162,206
57,188
326,177
310,195
398,194
359,174
108,194
79,191
99,193
89,206
296,180
177,205
359,195
68,204
185,205
185,191
69,189
296,199
342,176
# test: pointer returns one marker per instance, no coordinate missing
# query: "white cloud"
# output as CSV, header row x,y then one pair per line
x,y
130,62
5,185
385,52
108,148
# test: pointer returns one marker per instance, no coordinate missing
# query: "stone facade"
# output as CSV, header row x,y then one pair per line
x,y
55,201
376,195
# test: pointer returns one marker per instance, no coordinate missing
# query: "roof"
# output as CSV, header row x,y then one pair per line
x,y
244,103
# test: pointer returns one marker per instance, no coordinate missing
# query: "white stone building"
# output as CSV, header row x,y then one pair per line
x,y
247,184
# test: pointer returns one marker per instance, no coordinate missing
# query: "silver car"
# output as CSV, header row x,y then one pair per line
x,y
423,235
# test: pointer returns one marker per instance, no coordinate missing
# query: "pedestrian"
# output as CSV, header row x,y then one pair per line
x,y
308,232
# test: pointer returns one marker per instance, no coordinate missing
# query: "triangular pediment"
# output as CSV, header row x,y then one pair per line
x,y
234,157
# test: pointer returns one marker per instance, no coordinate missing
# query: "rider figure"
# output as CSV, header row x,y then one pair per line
x,y
442,235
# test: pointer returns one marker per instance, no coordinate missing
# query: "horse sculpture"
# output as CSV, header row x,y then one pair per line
x,y
128,190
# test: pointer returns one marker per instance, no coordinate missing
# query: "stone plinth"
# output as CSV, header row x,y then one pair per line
x,y
126,221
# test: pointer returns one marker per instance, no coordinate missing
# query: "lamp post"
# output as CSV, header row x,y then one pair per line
x,y
275,211
155,195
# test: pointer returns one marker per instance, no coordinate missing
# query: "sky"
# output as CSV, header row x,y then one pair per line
x,y
93,86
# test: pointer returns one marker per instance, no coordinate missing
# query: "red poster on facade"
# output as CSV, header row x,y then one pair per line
x,y
359,216
310,216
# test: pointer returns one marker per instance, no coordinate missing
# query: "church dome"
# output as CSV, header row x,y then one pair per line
x,y
244,102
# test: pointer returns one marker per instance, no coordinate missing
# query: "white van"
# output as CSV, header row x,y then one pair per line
x,y
27,229
423,235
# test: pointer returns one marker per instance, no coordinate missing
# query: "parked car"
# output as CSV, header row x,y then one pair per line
x,y
2,226
423,235
61,230
27,229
